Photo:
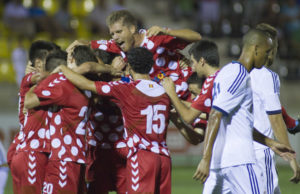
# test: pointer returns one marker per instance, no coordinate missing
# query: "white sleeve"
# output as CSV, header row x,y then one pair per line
x,y
270,92
230,89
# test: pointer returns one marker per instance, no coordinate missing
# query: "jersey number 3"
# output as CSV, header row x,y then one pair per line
x,y
154,113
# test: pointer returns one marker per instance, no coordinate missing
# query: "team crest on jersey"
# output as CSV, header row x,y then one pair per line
x,y
150,85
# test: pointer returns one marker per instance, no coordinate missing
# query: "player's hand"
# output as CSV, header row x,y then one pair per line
x,y
296,169
77,43
184,63
168,85
29,68
118,63
156,30
283,151
202,171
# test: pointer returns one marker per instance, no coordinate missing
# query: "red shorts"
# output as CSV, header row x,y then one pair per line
x,y
28,172
107,172
64,177
148,172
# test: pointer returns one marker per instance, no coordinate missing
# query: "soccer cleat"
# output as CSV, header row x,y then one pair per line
x,y
296,129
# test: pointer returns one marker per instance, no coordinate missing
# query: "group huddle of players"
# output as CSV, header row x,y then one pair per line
x,y
106,130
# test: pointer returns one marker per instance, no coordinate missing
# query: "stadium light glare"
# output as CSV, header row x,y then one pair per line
x,y
88,5
47,4
27,3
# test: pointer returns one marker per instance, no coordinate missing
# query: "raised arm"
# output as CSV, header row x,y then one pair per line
x,y
188,114
212,129
185,34
78,80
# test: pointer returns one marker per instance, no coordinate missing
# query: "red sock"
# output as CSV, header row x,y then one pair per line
x,y
289,121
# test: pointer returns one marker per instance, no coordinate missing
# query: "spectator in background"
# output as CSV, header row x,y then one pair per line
x,y
16,18
208,16
19,59
43,22
290,20
97,17
63,18
253,11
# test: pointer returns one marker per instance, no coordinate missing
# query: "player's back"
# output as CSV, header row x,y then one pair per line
x,y
145,108
266,88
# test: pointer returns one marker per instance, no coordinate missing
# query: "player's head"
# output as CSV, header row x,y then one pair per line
x,y
38,52
195,84
104,56
54,59
271,32
204,53
258,45
122,26
140,60
81,54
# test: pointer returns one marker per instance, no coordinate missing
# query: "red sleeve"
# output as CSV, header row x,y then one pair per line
x,y
113,89
53,90
203,101
106,45
26,81
170,42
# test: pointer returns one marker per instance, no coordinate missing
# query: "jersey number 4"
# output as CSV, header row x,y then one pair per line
x,y
154,113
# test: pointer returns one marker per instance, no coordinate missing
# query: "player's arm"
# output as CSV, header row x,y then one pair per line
x,y
78,80
280,149
212,129
188,114
280,133
31,99
185,34
186,131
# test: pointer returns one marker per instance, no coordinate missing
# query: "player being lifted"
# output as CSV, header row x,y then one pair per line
x,y
163,43
145,109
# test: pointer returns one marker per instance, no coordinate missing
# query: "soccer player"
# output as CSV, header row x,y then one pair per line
x,y
37,55
162,42
205,61
145,109
268,118
29,157
65,169
228,159
106,168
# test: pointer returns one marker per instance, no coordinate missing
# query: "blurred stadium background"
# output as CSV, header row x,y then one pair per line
x,y
224,21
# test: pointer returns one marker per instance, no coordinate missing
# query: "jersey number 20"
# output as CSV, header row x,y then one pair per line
x,y
152,113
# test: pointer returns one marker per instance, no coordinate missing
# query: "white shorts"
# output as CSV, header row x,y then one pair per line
x,y
267,166
239,179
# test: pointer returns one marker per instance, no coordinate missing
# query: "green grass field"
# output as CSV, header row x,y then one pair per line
x,y
182,182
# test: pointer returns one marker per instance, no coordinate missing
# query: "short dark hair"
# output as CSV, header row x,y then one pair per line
x,y
194,79
207,50
40,48
54,59
140,60
105,56
83,54
122,15
268,29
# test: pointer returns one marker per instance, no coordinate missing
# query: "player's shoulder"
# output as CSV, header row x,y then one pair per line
x,y
149,88
55,79
233,70
263,75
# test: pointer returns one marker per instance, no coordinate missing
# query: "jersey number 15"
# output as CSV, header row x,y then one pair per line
x,y
152,113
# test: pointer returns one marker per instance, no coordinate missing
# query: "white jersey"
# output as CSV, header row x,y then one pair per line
x,y
232,96
266,88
